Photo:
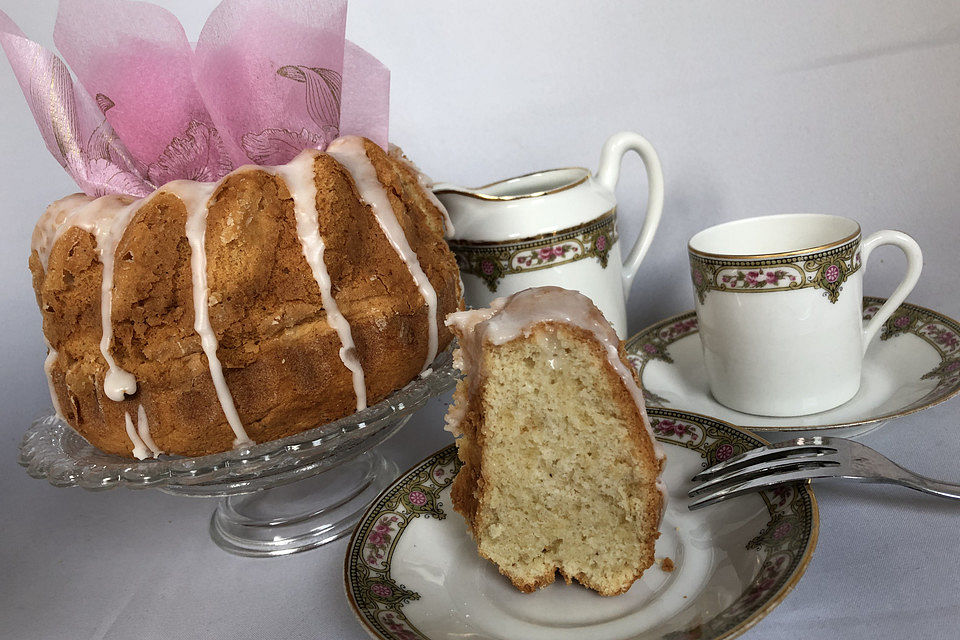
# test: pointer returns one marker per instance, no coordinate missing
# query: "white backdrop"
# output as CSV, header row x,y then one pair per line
x,y
755,107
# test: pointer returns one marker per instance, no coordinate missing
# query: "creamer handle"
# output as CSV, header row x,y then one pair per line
x,y
613,151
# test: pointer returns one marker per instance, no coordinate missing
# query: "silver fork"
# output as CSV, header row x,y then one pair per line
x,y
805,459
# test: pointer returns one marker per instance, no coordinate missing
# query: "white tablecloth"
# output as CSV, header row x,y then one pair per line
x,y
139,564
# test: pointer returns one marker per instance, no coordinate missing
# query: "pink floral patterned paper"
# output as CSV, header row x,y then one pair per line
x,y
265,80
70,122
271,73
366,96
134,58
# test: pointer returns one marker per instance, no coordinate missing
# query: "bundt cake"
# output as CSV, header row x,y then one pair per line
x,y
210,315
560,469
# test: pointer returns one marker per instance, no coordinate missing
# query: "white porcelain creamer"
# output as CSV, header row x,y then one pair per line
x,y
555,227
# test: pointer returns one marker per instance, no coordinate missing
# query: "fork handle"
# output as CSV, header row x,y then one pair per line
x,y
929,485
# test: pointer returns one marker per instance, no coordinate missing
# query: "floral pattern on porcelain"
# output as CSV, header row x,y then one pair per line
x,y
783,543
780,541
826,270
493,261
940,332
379,539
377,595
680,430
655,347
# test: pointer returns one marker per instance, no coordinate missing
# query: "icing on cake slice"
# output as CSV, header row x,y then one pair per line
x,y
560,467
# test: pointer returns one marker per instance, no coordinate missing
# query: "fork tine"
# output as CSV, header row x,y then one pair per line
x,y
762,483
764,468
761,454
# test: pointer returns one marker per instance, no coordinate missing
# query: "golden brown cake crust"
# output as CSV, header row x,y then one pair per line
x,y
279,355
470,491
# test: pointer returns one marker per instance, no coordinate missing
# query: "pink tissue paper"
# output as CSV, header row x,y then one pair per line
x,y
265,80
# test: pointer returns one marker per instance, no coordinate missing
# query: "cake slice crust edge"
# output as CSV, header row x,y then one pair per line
x,y
475,488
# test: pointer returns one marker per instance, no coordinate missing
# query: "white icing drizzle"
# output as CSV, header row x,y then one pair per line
x,y
48,370
426,183
117,382
467,357
143,430
140,450
298,175
195,196
106,218
349,152
50,225
517,315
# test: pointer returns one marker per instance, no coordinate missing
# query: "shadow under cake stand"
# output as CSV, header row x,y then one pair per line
x,y
276,498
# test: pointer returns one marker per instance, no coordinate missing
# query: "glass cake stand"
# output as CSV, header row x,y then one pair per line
x,y
276,498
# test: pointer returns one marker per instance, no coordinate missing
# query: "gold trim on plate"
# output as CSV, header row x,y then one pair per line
x,y
757,615
801,569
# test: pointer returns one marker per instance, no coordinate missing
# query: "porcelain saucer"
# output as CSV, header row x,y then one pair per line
x,y
913,365
412,571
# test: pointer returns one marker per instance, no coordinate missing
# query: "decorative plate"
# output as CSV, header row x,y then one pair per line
x,y
412,571
914,365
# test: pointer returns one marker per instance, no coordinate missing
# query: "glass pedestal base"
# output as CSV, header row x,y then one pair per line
x,y
301,515
277,497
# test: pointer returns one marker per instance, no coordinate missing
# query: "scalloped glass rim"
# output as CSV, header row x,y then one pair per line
x,y
51,449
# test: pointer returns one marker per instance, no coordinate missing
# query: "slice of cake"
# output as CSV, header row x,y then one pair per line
x,y
560,467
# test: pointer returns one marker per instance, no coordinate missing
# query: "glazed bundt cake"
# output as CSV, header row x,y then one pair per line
x,y
210,315
560,469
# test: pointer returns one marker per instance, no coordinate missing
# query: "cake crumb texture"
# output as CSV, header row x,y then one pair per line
x,y
280,356
559,472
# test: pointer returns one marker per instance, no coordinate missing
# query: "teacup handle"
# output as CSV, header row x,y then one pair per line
x,y
612,154
914,257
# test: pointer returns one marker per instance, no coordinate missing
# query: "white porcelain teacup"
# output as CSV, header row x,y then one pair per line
x,y
779,301
554,227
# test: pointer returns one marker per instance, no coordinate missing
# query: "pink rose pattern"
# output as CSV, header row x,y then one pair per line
x,y
379,539
400,627
646,347
674,429
757,279
379,598
826,270
939,332
679,329
946,340
491,264
781,544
